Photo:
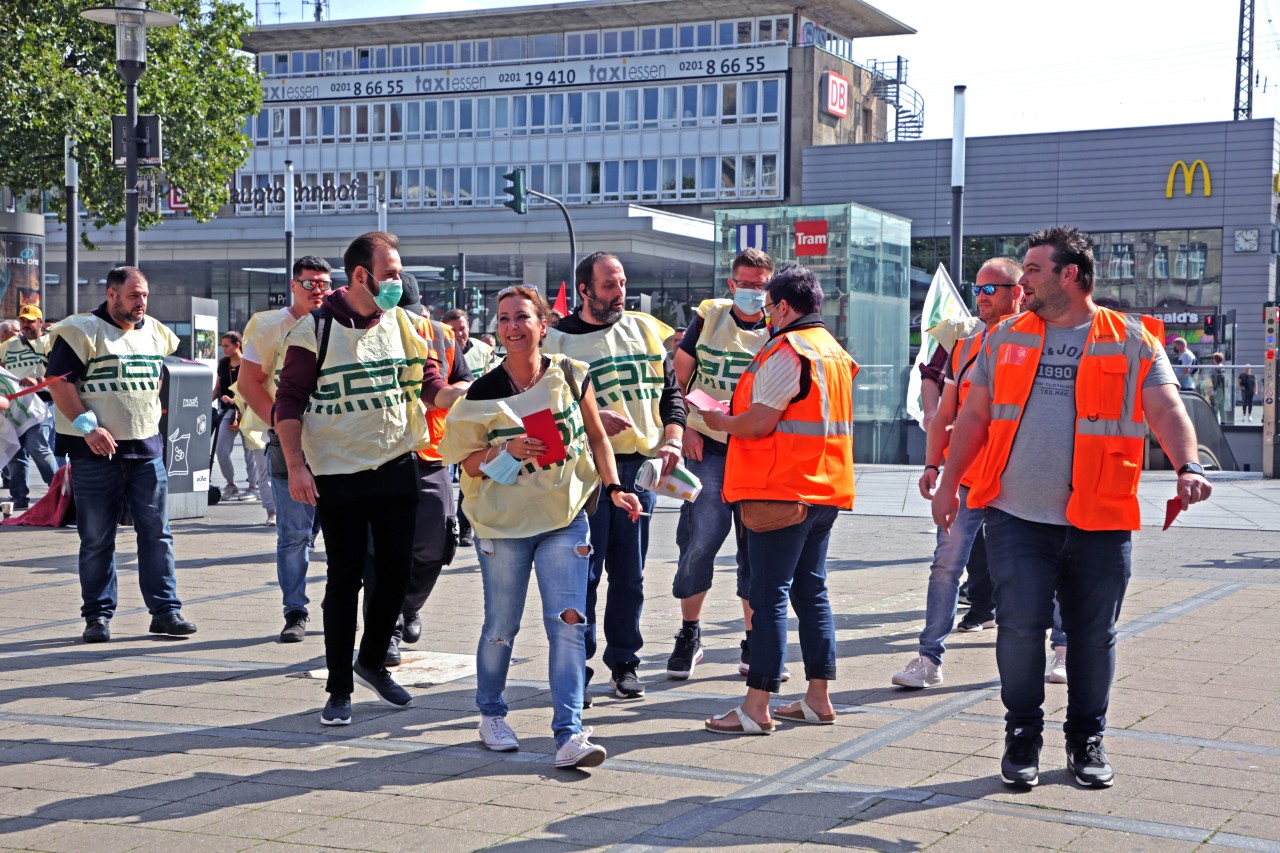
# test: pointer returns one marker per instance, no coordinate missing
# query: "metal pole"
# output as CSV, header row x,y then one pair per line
x,y
73,229
573,243
382,212
957,192
288,220
131,173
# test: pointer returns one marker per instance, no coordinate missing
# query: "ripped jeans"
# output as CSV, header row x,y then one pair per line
x,y
561,559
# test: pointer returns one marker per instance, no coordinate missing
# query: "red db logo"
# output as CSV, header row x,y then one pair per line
x,y
837,87
811,238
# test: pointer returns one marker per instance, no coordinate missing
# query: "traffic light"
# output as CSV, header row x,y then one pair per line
x,y
1211,324
518,201
449,274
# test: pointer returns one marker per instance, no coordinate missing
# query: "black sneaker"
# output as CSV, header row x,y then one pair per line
x,y
97,630
295,627
337,711
975,622
625,683
381,682
586,688
1020,766
1088,763
687,654
962,594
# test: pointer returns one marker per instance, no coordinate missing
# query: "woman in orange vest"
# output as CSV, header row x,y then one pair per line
x,y
790,469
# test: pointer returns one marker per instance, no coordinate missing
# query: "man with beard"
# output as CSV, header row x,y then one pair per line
x,y
108,422
643,413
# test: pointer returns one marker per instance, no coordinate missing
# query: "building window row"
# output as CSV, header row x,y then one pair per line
x,y
655,179
652,107
580,44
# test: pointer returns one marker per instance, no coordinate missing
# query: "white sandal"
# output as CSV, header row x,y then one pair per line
x,y
745,726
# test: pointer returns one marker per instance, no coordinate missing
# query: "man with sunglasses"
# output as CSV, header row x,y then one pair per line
x,y
998,296
723,338
259,368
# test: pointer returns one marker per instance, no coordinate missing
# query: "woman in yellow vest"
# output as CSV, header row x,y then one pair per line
x,y
532,518
790,470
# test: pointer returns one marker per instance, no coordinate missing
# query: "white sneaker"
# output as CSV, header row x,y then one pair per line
x,y
497,735
249,496
271,519
1057,670
580,752
921,672
230,492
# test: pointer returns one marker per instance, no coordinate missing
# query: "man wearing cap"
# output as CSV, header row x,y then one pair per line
x,y
434,539
26,356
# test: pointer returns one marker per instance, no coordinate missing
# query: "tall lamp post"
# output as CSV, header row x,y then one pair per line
x,y
131,19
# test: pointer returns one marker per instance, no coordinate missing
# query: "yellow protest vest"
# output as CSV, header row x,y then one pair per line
x,y
366,409
265,329
121,379
625,361
724,351
24,358
543,498
479,357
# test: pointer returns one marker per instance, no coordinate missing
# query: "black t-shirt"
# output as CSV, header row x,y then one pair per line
x,y
228,373
689,345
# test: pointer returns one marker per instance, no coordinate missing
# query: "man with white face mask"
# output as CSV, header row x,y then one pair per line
x,y
350,415
723,338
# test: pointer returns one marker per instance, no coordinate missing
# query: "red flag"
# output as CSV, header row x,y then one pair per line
x,y
562,303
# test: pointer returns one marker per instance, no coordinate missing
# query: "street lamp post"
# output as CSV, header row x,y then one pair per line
x,y
131,19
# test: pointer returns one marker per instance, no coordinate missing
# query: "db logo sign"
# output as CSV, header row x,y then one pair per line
x,y
837,101
811,238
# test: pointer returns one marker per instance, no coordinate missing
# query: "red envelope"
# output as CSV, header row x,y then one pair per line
x,y
1171,510
704,402
542,426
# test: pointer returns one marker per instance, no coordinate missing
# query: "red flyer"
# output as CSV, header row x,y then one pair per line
x,y
1171,510
542,426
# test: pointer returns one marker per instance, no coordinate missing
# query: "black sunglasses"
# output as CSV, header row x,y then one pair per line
x,y
989,289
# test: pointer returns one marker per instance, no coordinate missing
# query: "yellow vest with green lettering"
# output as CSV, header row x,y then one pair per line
x,y
366,409
121,379
266,330
625,361
23,358
724,351
543,498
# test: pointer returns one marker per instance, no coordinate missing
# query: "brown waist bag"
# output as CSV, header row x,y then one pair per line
x,y
765,516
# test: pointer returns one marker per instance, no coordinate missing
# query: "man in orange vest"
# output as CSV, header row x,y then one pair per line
x,y
790,448
1059,397
998,296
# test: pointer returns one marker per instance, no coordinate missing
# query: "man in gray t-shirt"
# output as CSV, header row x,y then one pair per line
x,y
1059,520
1186,359
1037,481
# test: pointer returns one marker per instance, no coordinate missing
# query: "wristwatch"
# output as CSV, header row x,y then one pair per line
x,y
674,442
1191,468
613,487
934,467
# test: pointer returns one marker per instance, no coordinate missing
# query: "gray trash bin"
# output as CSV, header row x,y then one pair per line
x,y
186,397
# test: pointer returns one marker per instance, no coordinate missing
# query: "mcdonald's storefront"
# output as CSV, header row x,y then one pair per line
x,y
1184,217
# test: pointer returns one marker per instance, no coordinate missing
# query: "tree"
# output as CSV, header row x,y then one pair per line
x,y
58,78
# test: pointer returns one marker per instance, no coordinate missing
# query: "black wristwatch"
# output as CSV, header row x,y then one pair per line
x,y
1191,468
610,489
934,467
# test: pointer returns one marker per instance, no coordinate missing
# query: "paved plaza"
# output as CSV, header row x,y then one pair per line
x,y
213,742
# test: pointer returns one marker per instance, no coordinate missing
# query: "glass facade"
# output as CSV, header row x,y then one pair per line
x,y
862,257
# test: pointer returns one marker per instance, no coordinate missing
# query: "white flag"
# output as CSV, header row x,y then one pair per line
x,y
943,302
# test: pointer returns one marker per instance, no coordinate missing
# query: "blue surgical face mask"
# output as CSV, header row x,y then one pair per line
x,y
503,468
748,301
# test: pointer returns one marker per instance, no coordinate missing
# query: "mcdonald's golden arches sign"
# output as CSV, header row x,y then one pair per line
x,y
1188,177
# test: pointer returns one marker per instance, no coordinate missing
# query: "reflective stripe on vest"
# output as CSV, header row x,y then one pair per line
x,y
440,343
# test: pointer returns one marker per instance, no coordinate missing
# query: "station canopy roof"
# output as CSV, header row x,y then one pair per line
x,y
849,18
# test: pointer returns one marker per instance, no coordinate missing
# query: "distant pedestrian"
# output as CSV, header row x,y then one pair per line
x,y
1062,396
1184,361
1218,377
26,356
229,414
1248,387
110,428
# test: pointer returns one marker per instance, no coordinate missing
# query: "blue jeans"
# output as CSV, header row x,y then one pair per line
x,y
295,523
791,562
1090,572
101,488
619,547
701,531
561,559
34,446
949,558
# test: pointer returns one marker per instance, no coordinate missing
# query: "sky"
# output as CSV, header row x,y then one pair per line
x,y
1097,64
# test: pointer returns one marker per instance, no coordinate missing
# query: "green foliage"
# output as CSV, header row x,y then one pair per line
x,y
58,78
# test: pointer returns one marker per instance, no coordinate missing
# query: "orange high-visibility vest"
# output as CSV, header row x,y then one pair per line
x,y
1110,426
963,355
809,455
440,346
